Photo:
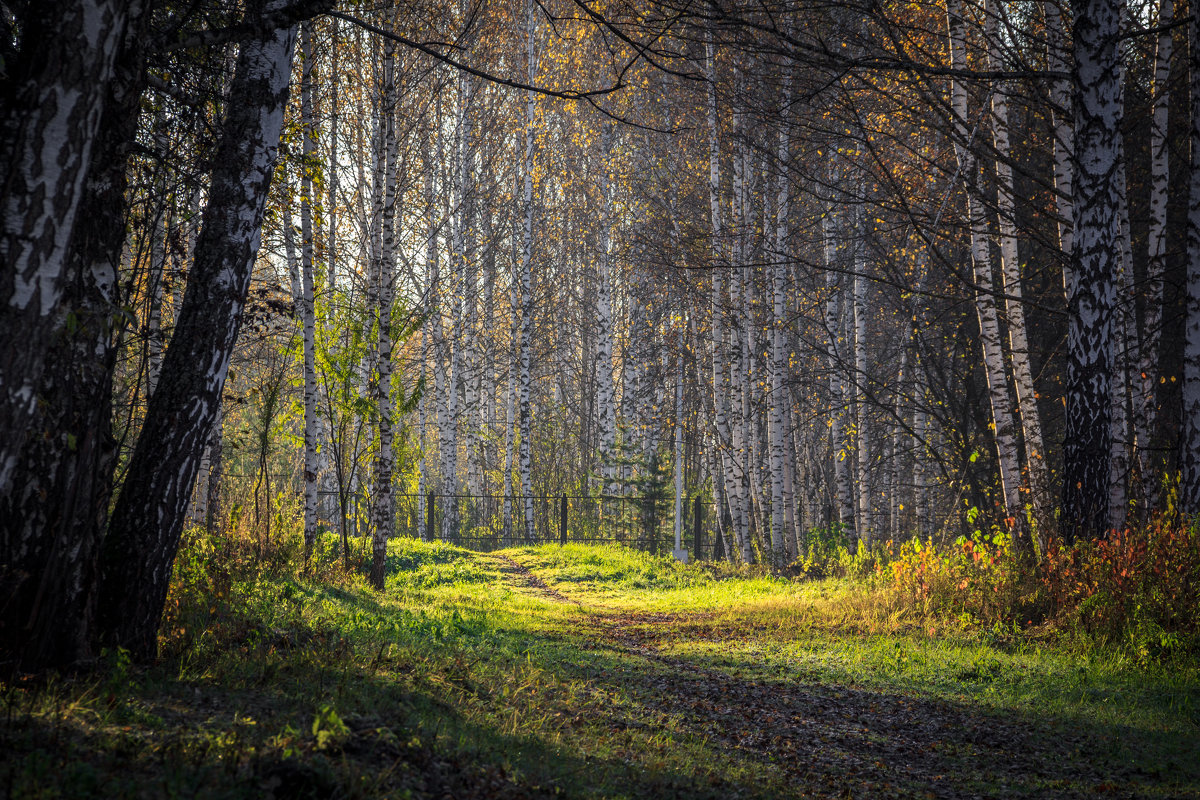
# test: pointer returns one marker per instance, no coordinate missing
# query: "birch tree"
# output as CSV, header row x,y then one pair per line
x,y
1087,442
606,408
524,281
51,103
1018,336
306,308
989,324
1189,456
780,495
383,277
1145,395
149,514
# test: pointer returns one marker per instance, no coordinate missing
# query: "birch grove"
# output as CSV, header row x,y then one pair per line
x,y
846,276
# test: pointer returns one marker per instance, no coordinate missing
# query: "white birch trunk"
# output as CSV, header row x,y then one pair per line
x,y
739,387
985,301
1124,337
144,528
50,122
422,511
780,473
468,428
844,500
1189,455
1099,107
438,358
487,364
896,468
1145,400
525,282
311,468
606,411
1031,424
384,509
866,498
678,454
794,523
718,299
510,410
920,490
1057,60
331,211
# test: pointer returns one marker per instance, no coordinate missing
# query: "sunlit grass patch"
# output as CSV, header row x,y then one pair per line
x,y
599,672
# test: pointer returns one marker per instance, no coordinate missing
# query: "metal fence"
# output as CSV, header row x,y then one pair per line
x,y
477,521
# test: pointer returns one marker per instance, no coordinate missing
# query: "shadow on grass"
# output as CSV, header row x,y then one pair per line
x,y
396,701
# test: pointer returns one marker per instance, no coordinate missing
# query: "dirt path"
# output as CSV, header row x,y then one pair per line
x,y
522,579
845,741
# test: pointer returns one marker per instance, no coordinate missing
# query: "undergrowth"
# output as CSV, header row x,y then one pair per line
x,y
1138,589
606,672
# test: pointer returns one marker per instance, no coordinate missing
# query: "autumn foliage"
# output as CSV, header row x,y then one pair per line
x,y
1139,587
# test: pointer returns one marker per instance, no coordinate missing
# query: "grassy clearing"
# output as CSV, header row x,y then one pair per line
x,y
593,672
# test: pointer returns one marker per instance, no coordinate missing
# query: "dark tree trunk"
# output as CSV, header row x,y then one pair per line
x,y
1189,455
1098,110
150,512
51,100
52,518
216,450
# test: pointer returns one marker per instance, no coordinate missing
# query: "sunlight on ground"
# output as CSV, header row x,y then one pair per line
x,y
600,672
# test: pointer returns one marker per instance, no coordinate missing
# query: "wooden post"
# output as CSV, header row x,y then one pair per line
x,y
697,517
562,522
430,530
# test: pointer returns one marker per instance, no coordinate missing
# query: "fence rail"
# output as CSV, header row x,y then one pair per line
x,y
477,521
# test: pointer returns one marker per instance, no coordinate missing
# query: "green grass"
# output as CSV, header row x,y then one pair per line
x,y
594,672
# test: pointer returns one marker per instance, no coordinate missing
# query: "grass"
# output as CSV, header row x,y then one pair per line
x,y
592,672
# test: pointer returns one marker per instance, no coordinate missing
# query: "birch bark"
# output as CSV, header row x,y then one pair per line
x,y
1087,444
836,359
148,517
510,433
307,312
523,355
1018,337
50,109
384,502
52,519
453,347
1003,419
334,167
780,501
1189,455
678,454
866,518
718,300
1124,338
606,410
1057,50
1145,400
740,377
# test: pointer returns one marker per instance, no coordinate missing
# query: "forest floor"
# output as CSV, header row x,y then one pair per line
x,y
595,672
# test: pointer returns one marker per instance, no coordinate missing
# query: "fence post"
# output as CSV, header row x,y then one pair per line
x,y
699,533
562,522
429,529
651,524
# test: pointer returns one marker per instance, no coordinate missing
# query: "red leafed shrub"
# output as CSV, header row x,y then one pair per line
x,y
1141,583
1139,587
